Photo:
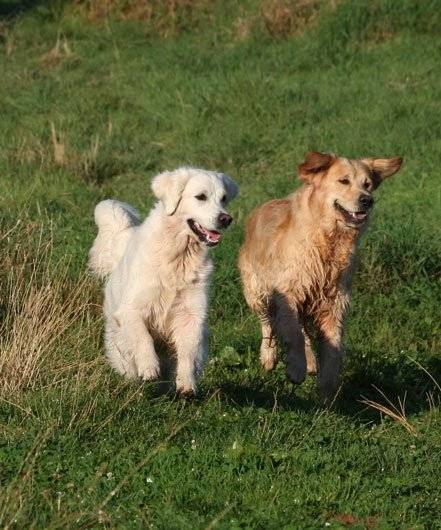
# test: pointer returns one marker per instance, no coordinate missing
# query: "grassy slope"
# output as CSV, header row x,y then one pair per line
x,y
250,452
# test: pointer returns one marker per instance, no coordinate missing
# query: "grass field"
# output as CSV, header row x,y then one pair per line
x,y
95,99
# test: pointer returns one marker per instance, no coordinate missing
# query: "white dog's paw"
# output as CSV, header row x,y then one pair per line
x,y
148,370
186,386
123,366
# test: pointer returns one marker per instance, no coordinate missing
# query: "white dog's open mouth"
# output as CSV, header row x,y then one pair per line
x,y
210,237
351,218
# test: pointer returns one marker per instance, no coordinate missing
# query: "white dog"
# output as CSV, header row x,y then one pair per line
x,y
158,272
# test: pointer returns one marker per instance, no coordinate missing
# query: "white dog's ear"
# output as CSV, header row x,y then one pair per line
x,y
230,186
168,188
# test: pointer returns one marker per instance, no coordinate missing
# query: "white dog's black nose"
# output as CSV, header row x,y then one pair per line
x,y
224,220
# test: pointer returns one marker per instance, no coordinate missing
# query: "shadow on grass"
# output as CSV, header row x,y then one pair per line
x,y
404,382
51,10
399,381
11,9
248,395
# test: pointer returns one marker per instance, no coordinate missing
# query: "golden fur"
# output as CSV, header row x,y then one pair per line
x,y
297,261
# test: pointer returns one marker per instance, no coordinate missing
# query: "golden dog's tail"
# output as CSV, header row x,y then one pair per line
x,y
115,221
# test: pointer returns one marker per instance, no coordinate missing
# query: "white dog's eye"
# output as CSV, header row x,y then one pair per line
x,y
224,199
201,197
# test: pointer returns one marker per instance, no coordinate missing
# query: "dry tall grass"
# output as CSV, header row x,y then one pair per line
x,y
164,17
283,18
396,412
278,18
40,305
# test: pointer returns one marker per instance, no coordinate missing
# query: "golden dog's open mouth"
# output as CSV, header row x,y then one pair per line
x,y
352,218
210,237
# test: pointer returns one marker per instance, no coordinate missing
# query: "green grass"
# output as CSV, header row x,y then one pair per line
x,y
217,85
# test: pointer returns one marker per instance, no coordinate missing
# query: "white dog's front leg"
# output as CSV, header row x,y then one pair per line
x,y
135,340
190,336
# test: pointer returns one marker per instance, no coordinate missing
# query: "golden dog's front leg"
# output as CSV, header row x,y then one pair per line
x,y
289,329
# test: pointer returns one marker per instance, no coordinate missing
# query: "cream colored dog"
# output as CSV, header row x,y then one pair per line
x,y
157,272
297,261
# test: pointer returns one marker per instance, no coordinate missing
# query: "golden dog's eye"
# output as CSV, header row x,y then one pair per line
x,y
201,197
366,185
344,181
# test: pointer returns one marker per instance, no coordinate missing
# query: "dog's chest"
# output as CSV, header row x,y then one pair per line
x,y
187,269
172,294
328,268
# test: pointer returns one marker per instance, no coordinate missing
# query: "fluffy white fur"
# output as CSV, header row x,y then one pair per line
x,y
157,273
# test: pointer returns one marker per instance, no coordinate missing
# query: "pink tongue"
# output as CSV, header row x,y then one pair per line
x,y
214,236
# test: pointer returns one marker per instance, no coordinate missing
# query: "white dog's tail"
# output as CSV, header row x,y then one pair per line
x,y
115,221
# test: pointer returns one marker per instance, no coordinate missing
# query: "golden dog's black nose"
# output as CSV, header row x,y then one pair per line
x,y
365,201
224,220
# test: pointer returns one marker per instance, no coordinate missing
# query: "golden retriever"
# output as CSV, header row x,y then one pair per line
x,y
297,261
157,272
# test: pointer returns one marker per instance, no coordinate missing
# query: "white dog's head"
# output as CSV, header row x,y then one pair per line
x,y
199,197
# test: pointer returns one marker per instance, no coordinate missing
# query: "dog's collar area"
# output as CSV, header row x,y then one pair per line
x,y
209,237
354,219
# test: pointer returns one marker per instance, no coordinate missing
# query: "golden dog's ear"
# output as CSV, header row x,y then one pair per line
x,y
382,168
315,163
168,188
231,188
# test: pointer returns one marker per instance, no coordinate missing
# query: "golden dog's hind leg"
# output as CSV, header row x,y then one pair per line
x,y
330,357
268,347
311,363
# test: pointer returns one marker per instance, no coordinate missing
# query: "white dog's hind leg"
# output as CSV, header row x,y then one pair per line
x,y
138,343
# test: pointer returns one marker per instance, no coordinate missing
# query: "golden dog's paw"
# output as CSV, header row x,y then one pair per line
x,y
296,373
311,368
311,362
268,356
328,392
268,362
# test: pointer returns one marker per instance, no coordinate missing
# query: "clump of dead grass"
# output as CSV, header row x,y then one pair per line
x,y
284,18
40,305
396,412
55,55
94,164
164,17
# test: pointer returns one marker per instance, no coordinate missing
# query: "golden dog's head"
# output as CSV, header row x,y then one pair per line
x,y
343,187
